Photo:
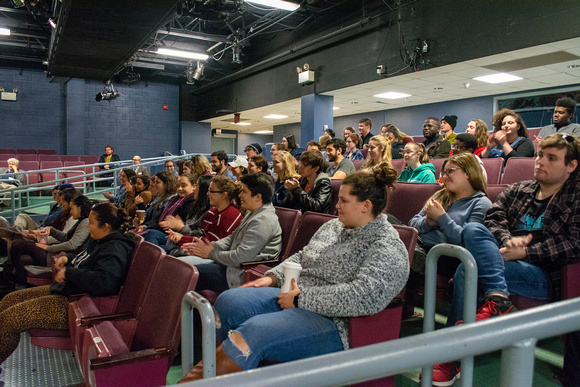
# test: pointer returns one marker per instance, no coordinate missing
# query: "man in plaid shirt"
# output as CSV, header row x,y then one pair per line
x,y
531,230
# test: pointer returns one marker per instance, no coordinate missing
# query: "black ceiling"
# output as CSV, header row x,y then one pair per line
x,y
107,39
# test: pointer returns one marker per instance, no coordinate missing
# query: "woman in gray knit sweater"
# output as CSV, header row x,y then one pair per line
x,y
353,266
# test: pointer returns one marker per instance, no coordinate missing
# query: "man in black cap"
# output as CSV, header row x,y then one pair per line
x,y
448,123
253,149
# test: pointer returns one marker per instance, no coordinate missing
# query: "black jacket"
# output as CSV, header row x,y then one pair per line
x,y
100,269
318,199
103,159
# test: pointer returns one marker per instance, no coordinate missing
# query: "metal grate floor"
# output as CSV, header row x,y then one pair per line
x,y
34,366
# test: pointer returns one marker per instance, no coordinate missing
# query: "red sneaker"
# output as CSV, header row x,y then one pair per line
x,y
494,309
445,374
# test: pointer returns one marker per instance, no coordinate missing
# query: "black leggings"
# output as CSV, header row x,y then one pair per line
x,y
24,253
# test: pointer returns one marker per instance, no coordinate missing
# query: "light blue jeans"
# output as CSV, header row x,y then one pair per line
x,y
272,333
494,274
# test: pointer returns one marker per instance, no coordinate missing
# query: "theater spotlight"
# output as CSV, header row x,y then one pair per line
x,y
108,94
192,74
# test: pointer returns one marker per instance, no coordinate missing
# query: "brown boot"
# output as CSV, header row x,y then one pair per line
x,y
224,366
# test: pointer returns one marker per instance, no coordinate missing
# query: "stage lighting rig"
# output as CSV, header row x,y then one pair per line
x,y
109,93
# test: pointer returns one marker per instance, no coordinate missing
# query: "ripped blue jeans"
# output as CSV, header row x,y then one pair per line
x,y
271,333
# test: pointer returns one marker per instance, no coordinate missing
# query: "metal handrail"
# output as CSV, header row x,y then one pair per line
x,y
195,300
515,334
469,301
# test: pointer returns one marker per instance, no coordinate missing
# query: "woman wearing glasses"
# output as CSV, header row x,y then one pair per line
x,y
461,200
419,169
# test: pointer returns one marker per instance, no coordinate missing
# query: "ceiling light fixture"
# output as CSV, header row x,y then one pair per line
x,y
335,108
498,78
192,74
285,5
392,95
181,54
264,132
242,123
275,116
4,31
52,23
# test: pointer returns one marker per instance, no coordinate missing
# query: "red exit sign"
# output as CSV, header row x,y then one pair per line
x,y
165,107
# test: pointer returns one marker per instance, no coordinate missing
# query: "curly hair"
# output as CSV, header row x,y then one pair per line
x,y
503,113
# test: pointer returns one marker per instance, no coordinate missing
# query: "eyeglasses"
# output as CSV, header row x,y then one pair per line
x,y
210,191
449,171
457,146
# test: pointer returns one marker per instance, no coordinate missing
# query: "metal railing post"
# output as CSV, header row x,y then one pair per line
x,y
517,364
194,300
469,301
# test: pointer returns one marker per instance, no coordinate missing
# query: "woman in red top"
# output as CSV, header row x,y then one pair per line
x,y
221,219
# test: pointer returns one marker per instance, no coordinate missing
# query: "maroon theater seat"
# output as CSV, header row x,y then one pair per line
x,y
409,198
493,168
25,151
139,351
398,165
494,190
518,169
48,176
46,151
358,164
336,183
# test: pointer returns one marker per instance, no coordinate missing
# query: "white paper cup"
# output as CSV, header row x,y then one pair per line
x,y
141,215
290,270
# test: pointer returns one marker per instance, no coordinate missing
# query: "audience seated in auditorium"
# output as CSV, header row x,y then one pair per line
x,y
419,169
350,130
283,167
353,266
98,270
461,200
36,248
179,205
448,124
528,234
137,194
342,167
200,165
189,225
163,187
257,238
239,167
478,128
563,115
379,152
437,147
465,142
25,222
258,164
509,137
253,149
169,166
219,164
313,192
289,142
352,141
12,176
138,168
397,139
219,221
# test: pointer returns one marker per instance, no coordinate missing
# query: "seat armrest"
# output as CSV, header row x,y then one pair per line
x,y
270,263
93,320
130,357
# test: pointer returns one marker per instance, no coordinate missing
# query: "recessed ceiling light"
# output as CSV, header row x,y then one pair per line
x,y
437,88
285,5
264,132
182,54
242,123
498,78
392,95
354,102
275,116
335,108
4,31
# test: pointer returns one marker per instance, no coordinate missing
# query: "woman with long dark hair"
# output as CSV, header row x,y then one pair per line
x,y
99,270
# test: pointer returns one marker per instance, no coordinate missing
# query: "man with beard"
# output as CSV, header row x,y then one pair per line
x,y
437,147
342,167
